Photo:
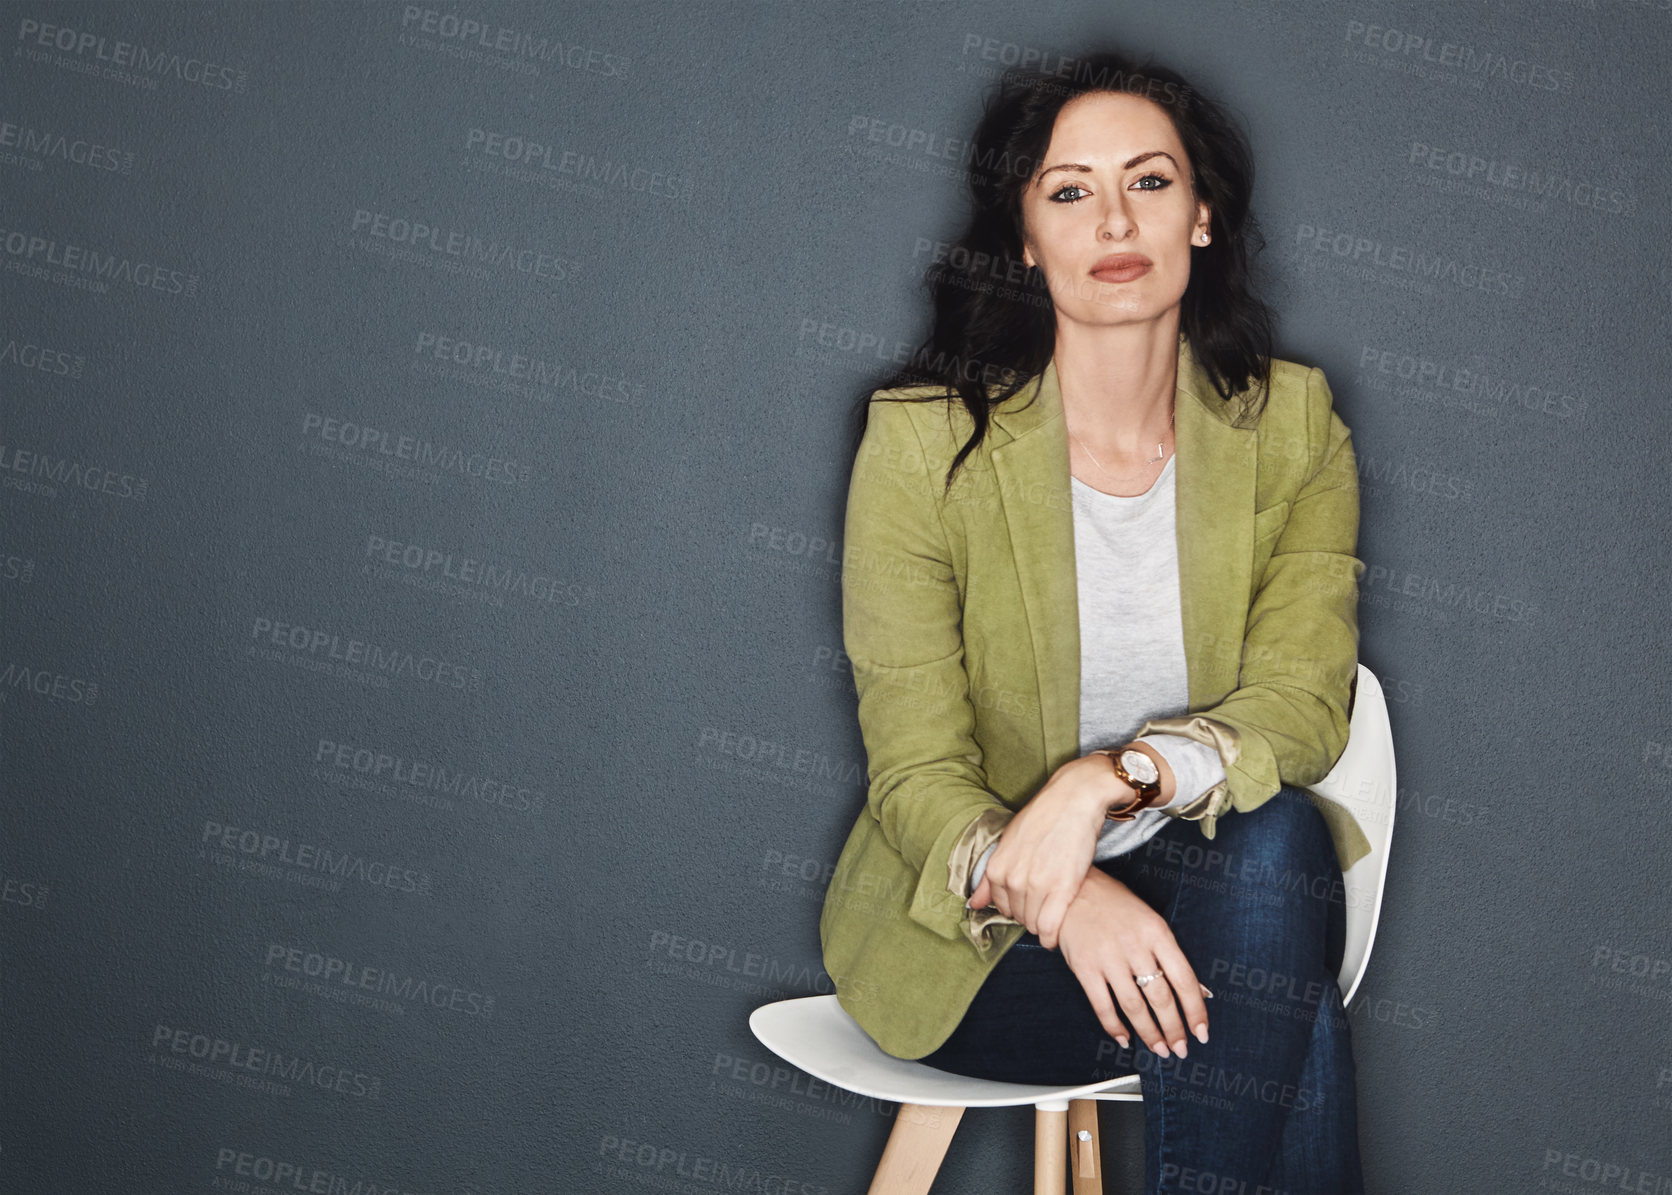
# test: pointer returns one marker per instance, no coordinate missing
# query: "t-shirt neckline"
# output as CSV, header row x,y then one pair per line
x,y
1130,498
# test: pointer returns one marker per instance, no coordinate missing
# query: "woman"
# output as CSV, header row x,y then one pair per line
x,y
1100,598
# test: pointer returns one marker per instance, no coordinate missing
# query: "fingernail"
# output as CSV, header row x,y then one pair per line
x,y
1202,1033
1178,1048
1204,988
1124,1042
1161,1049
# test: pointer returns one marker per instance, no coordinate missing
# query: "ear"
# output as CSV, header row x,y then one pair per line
x,y
1204,219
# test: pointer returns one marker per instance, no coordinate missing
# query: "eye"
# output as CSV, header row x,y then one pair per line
x,y
1057,195
1161,179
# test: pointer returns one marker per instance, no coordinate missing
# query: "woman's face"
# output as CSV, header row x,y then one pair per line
x,y
1115,184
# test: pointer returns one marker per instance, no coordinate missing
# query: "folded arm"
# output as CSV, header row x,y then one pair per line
x,y
1195,768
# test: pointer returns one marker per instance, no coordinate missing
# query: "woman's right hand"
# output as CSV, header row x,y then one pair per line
x,y
1109,937
1045,850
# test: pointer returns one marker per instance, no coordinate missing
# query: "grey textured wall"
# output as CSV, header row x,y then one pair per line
x,y
425,735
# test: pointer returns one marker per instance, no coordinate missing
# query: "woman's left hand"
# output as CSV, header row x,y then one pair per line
x,y
1110,936
1044,853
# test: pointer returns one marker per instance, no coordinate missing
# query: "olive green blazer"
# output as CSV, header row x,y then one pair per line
x,y
961,617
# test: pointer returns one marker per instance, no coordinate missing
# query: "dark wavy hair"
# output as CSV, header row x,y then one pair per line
x,y
994,323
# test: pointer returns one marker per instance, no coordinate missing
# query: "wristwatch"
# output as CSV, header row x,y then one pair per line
x,y
1137,769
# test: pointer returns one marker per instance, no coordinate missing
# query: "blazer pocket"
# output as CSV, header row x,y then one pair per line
x,y
1268,525
1269,522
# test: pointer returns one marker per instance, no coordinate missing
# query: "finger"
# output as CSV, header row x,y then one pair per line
x,y
1021,909
1103,1004
998,895
1186,988
1131,1000
1160,996
1050,921
1012,902
1053,910
982,896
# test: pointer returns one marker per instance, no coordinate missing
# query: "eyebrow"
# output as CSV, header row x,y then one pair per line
x,y
1126,165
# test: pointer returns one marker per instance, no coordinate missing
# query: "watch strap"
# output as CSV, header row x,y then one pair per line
x,y
1148,791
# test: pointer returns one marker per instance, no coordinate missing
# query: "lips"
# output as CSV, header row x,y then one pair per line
x,y
1121,267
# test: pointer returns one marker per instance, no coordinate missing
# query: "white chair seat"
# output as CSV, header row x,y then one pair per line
x,y
816,1034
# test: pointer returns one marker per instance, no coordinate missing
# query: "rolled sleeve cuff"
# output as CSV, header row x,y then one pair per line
x,y
1196,766
965,868
1225,741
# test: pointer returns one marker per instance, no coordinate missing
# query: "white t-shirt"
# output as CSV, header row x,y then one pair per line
x,y
1132,661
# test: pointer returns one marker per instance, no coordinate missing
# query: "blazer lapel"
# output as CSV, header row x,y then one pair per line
x,y
1214,503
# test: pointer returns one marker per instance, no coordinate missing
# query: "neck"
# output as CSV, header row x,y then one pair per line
x,y
1118,381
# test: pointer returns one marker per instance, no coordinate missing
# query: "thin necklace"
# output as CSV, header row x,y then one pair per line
x,y
1160,448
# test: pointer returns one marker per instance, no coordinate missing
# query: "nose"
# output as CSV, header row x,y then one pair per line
x,y
1116,220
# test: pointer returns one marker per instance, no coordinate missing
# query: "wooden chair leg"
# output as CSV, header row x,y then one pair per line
x,y
1050,1148
1085,1159
915,1149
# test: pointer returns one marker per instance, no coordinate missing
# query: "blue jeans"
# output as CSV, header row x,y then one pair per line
x,y
1267,1106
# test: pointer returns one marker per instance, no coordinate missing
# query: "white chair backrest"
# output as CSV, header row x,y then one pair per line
x,y
1365,783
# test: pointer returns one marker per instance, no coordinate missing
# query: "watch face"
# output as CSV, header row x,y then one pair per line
x,y
1140,766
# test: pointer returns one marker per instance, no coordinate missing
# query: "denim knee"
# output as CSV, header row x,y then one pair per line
x,y
1292,889
1287,833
